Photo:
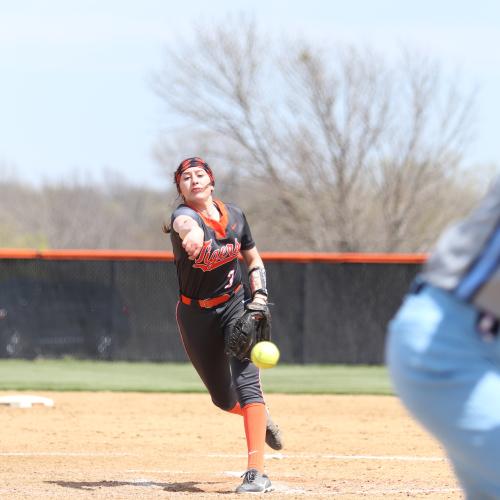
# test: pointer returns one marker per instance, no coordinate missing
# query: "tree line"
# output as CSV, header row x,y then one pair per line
x,y
80,214
123,216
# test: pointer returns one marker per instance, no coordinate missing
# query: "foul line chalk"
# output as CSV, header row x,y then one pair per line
x,y
281,456
276,456
61,454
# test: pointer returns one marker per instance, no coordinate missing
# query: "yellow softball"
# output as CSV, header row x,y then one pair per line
x,y
265,354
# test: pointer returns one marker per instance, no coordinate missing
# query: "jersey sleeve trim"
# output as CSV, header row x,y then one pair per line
x,y
186,210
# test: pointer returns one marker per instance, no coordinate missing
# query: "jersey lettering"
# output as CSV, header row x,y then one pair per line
x,y
208,260
218,255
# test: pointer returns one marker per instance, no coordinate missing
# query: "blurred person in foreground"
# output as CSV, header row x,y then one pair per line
x,y
443,348
207,238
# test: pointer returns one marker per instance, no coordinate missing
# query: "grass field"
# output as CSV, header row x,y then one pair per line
x,y
77,375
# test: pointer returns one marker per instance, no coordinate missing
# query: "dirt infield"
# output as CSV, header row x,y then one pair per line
x,y
118,445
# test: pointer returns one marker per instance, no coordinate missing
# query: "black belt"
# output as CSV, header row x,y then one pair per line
x,y
488,324
417,285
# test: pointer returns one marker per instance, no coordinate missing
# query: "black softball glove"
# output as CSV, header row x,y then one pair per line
x,y
252,327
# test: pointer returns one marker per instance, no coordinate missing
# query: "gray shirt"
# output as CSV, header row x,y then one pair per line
x,y
466,259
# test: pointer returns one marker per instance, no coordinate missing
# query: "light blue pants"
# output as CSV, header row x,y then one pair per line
x,y
448,376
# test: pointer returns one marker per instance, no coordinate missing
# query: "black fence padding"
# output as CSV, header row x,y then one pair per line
x,y
347,308
151,293
125,309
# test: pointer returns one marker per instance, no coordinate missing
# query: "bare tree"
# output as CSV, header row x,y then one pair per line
x,y
19,205
81,214
112,216
351,150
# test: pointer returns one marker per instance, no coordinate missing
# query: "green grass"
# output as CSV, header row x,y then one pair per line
x,y
327,379
76,375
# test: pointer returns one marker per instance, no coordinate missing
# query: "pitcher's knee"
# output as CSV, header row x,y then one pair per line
x,y
225,404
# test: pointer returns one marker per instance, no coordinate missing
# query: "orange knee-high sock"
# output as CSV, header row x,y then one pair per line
x,y
236,409
255,417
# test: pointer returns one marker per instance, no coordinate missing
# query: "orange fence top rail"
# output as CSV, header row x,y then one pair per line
x,y
366,258
14,253
304,257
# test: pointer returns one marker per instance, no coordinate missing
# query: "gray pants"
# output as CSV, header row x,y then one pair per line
x,y
202,331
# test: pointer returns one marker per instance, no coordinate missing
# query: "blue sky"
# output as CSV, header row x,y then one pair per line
x,y
75,93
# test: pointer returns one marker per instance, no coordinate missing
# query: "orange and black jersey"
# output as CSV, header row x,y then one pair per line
x,y
216,270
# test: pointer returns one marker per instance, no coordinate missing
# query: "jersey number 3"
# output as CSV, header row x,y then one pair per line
x,y
230,279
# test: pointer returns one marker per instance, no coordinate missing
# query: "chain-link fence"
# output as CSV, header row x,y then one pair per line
x,y
124,309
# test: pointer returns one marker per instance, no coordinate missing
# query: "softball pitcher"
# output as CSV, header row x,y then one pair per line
x,y
443,350
207,238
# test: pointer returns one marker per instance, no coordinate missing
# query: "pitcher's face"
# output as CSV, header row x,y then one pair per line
x,y
195,185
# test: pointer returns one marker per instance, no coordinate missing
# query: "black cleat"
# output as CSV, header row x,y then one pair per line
x,y
254,482
273,435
